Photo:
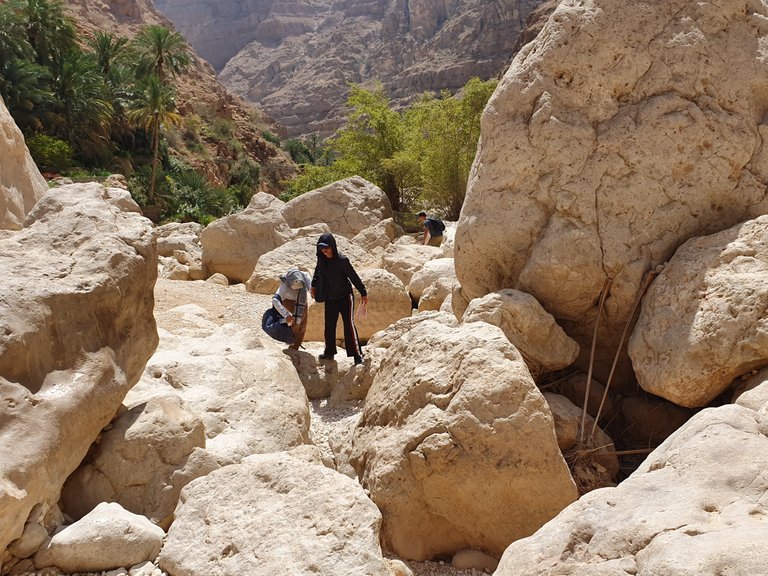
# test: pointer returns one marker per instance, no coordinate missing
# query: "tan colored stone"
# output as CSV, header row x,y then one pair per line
x,y
236,379
348,207
599,167
452,409
108,537
430,273
77,308
695,506
21,184
142,462
702,323
544,345
275,514
233,245
380,235
404,260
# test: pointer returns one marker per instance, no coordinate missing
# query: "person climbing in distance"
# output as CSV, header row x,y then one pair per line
x,y
433,230
332,284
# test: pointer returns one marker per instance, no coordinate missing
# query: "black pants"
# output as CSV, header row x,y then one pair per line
x,y
345,307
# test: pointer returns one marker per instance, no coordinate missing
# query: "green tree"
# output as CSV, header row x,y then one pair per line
x,y
46,26
443,136
109,51
84,111
24,84
152,108
160,52
373,134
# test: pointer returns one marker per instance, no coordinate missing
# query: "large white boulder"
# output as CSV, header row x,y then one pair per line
x,y
142,462
703,321
456,445
348,207
620,132
232,245
21,184
237,380
543,343
695,506
275,514
108,537
78,329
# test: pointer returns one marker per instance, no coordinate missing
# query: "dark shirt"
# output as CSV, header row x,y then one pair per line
x,y
334,277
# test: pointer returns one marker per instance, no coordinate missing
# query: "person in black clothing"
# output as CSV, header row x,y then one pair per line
x,y
332,283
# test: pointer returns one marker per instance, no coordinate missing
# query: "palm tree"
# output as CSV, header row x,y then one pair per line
x,y
47,27
160,52
24,86
153,108
84,107
108,51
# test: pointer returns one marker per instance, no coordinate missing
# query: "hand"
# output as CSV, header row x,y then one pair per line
x,y
289,319
312,291
365,300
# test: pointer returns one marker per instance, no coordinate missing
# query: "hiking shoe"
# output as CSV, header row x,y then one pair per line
x,y
326,356
358,360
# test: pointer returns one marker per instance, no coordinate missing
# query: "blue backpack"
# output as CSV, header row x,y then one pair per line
x,y
274,324
436,226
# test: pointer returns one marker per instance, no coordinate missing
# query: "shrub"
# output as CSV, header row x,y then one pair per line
x,y
50,153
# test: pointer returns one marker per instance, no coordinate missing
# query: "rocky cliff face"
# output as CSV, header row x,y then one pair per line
x,y
295,59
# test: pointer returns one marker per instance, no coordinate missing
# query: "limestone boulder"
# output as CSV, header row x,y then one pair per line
x,y
380,235
177,236
238,381
300,253
355,384
713,291
21,184
107,538
432,272
348,207
142,462
233,245
449,239
121,198
405,259
695,506
388,301
456,445
542,342
436,295
754,393
275,514
78,329
598,168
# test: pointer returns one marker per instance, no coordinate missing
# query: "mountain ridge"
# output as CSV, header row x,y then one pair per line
x,y
295,59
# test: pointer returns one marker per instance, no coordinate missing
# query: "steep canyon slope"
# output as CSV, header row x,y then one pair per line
x,y
199,93
295,59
